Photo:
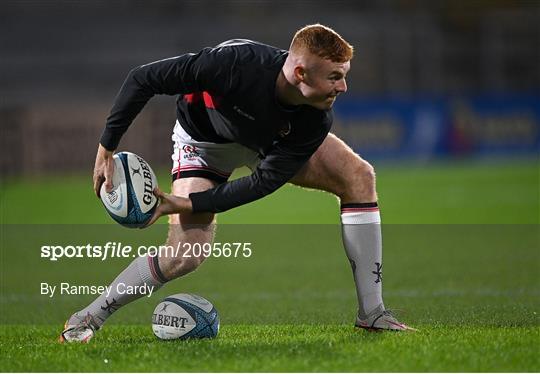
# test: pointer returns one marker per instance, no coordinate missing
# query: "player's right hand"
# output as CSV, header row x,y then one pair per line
x,y
169,204
103,169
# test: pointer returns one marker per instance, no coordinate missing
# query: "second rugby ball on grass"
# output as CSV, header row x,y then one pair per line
x,y
131,202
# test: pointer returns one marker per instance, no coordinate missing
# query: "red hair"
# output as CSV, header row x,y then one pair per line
x,y
322,41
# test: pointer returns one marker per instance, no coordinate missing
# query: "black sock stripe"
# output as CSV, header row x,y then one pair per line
x,y
160,275
359,205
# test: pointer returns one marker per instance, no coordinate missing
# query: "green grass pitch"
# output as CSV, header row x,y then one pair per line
x,y
461,264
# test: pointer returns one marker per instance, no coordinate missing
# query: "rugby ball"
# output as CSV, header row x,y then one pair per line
x,y
131,202
184,316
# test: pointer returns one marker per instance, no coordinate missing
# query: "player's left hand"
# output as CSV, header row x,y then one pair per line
x,y
169,204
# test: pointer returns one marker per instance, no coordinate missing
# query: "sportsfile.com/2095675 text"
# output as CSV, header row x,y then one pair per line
x,y
118,250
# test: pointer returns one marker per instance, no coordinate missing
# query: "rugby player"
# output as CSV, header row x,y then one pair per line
x,y
243,103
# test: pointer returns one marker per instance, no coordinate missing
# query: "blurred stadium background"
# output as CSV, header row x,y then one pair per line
x,y
430,79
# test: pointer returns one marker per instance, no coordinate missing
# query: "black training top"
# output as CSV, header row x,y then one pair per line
x,y
227,94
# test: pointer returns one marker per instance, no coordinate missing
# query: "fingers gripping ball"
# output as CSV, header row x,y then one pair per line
x,y
184,316
131,202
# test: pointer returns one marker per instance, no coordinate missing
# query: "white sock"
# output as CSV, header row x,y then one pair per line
x,y
361,230
142,273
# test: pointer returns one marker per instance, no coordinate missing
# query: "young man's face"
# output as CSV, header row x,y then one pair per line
x,y
322,81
